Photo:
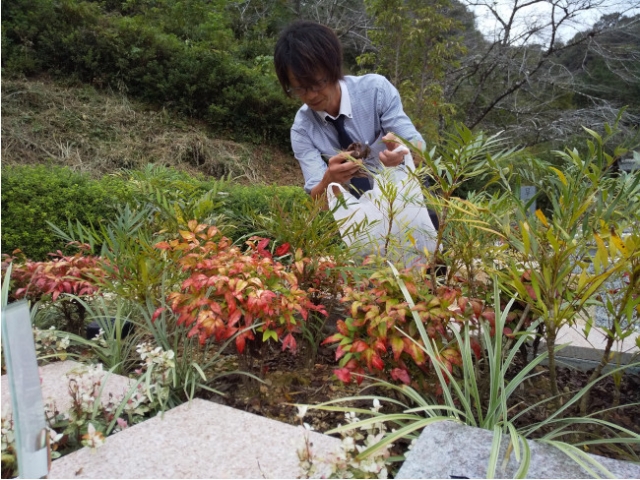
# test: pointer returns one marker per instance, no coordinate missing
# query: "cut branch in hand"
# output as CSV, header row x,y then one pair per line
x,y
357,152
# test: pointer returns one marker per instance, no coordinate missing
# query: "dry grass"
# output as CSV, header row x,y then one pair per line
x,y
98,133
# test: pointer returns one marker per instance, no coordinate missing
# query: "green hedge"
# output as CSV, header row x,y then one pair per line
x,y
31,196
245,202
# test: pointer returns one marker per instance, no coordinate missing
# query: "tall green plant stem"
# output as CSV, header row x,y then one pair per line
x,y
388,236
553,374
439,239
462,157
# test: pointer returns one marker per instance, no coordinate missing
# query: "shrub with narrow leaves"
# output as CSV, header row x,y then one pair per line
x,y
229,291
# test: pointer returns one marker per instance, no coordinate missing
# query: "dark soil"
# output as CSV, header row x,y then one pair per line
x,y
302,379
605,395
289,379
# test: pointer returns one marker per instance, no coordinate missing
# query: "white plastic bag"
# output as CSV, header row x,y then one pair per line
x,y
390,220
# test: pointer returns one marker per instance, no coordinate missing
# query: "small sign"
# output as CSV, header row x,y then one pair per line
x,y
527,192
630,164
26,394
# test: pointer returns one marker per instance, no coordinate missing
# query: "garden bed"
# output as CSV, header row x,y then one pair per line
x,y
292,379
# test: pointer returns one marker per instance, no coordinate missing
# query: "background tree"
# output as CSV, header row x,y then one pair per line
x,y
607,66
518,80
412,44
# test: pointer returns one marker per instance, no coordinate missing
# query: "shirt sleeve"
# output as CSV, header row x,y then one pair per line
x,y
392,116
309,157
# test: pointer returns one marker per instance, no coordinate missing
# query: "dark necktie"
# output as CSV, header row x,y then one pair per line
x,y
358,184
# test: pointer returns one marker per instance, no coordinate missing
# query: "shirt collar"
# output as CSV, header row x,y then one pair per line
x,y
345,104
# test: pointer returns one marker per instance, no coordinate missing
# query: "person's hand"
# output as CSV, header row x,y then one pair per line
x,y
392,156
341,170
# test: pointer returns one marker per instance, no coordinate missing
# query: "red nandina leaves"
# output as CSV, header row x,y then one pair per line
x,y
227,287
80,274
397,345
261,247
283,249
477,308
369,338
375,361
234,317
380,345
343,374
414,351
157,313
162,245
333,338
452,355
462,303
358,346
531,292
475,346
350,370
401,374
289,342
489,315
342,327
240,343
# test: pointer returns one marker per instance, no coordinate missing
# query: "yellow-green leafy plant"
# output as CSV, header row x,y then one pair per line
x,y
134,268
465,400
621,301
562,259
461,157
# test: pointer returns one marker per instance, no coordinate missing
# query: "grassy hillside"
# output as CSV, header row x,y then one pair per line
x,y
97,132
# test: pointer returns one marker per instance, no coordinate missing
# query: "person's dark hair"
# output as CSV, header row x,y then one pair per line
x,y
307,49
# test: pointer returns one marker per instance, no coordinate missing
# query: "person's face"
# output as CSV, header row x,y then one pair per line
x,y
321,95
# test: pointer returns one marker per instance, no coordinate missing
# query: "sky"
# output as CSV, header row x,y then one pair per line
x,y
541,12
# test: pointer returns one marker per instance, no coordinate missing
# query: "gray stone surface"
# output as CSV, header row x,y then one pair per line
x,y
200,439
55,385
586,352
610,291
448,449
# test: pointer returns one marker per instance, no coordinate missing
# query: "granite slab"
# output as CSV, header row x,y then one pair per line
x,y
55,385
449,449
200,439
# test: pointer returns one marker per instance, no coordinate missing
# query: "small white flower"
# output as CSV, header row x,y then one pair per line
x,y
93,438
302,411
54,437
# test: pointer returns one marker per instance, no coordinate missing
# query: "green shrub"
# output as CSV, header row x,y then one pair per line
x,y
149,59
244,203
31,196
